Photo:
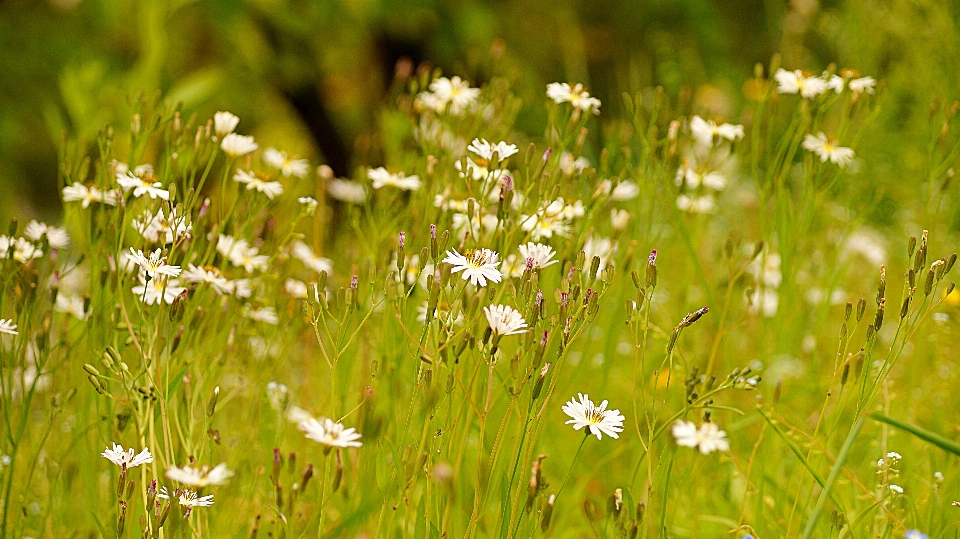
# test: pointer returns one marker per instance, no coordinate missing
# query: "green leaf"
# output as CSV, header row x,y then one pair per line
x,y
834,473
943,443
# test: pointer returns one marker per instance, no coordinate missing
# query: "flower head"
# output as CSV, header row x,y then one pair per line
x,y
159,228
382,178
56,237
254,180
707,132
596,418
155,265
127,458
707,438
346,191
143,182
914,534
330,433
200,477
477,265
505,320
827,148
7,327
236,145
796,82
159,288
485,150
453,91
24,250
224,123
538,255
287,165
77,192
562,92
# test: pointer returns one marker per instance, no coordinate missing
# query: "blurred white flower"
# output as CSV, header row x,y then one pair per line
x,y
453,91
235,145
619,219
159,228
346,191
126,458
73,305
571,165
155,265
707,438
87,195
707,132
200,477
862,84
597,419
477,266
295,288
253,180
267,315
7,327
562,92
287,165
56,237
827,148
209,275
24,250
540,254
159,288
485,150
143,182
224,123
382,178
796,82
696,204
330,433
302,252
505,320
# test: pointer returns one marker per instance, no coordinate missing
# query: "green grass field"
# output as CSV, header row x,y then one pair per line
x,y
643,307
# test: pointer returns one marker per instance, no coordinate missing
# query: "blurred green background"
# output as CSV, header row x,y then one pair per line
x,y
311,75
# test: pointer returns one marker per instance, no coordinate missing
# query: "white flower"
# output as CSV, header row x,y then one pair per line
x,y
267,315
596,418
896,489
862,84
309,205
240,253
505,320
834,82
330,433
696,204
287,165
224,123
576,96
87,195
236,145
795,82
200,476
302,252
159,288
254,180
186,497
544,226
707,438
542,255
454,91
156,264
827,148
68,304
382,178
599,247
23,249
295,288
209,275
485,150
619,219
706,132
693,179
7,327
160,229
571,165
56,237
127,458
477,265
625,190
143,182
346,191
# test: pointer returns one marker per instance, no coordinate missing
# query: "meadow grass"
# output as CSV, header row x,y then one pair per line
x,y
390,355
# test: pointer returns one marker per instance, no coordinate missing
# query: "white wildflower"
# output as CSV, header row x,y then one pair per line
x,y
597,419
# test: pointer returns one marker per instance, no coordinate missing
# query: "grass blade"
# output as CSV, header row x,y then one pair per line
x,y
834,473
943,443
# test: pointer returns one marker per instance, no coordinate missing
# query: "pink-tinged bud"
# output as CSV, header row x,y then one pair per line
x,y
586,296
354,281
403,239
539,300
205,207
543,338
653,257
546,154
563,299
433,232
530,264
507,184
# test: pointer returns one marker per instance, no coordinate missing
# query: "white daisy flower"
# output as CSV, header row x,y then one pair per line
x,y
159,288
707,438
224,123
382,178
505,320
862,84
7,327
696,204
302,252
127,458
287,165
155,265
706,132
477,265
56,237
235,145
896,489
346,191
186,497
542,255
74,305
561,92
597,419
454,91
254,180
485,150
295,288
330,433
158,228
267,315
208,275
795,82
243,255
24,250
827,148
571,165
143,182
200,477
87,195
